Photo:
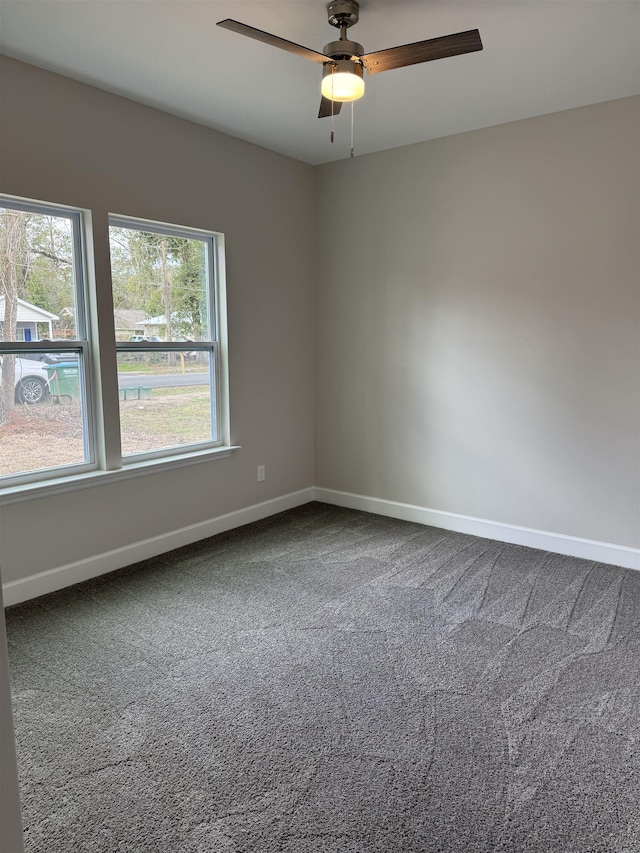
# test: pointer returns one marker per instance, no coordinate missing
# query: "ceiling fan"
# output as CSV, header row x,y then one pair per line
x,y
345,61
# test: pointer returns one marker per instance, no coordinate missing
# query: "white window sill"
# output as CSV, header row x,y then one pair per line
x,y
44,488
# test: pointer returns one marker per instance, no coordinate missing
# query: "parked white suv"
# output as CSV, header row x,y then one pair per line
x,y
31,380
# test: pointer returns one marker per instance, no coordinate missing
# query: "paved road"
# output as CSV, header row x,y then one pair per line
x,y
162,380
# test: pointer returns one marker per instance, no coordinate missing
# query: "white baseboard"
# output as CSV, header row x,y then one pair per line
x,y
31,587
573,546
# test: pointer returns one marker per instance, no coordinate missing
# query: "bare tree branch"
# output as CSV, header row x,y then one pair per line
x,y
52,257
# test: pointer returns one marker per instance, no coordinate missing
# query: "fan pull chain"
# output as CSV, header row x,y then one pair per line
x,y
333,68
352,154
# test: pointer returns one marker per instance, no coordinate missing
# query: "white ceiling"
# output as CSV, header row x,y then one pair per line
x,y
540,56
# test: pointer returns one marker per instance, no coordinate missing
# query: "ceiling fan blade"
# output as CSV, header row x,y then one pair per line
x,y
276,41
325,107
422,51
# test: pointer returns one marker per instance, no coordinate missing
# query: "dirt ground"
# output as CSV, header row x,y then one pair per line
x,y
41,436
49,434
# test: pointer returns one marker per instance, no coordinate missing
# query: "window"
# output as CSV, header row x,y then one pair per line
x,y
45,419
56,417
165,319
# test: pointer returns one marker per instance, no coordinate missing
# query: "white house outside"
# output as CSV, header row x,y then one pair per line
x,y
29,317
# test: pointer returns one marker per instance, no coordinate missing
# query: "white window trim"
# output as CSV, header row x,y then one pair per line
x,y
217,320
74,482
80,344
102,421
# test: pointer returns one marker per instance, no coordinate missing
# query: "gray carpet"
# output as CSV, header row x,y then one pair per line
x,y
329,681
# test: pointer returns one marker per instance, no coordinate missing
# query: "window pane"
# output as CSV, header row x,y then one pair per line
x,y
37,289
159,286
165,400
42,423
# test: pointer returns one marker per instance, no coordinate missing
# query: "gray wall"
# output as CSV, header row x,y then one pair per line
x,y
476,315
65,142
477,324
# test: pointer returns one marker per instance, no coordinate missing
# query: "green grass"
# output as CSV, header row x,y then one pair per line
x,y
167,421
156,369
176,390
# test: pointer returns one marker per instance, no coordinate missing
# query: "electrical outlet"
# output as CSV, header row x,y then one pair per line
x,y
261,473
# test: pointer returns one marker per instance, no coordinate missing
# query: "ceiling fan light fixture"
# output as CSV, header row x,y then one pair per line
x,y
343,80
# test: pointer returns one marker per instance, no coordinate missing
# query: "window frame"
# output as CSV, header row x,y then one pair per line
x,y
81,344
212,240
101,463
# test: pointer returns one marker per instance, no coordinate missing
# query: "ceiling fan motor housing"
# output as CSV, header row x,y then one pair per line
x,y
343,13
343,49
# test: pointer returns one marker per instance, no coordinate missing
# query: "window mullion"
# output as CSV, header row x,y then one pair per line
x,y
105,372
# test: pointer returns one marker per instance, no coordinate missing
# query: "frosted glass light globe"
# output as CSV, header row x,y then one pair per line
x,y
344,83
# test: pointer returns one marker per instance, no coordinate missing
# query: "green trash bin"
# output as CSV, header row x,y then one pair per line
x,y
64,380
